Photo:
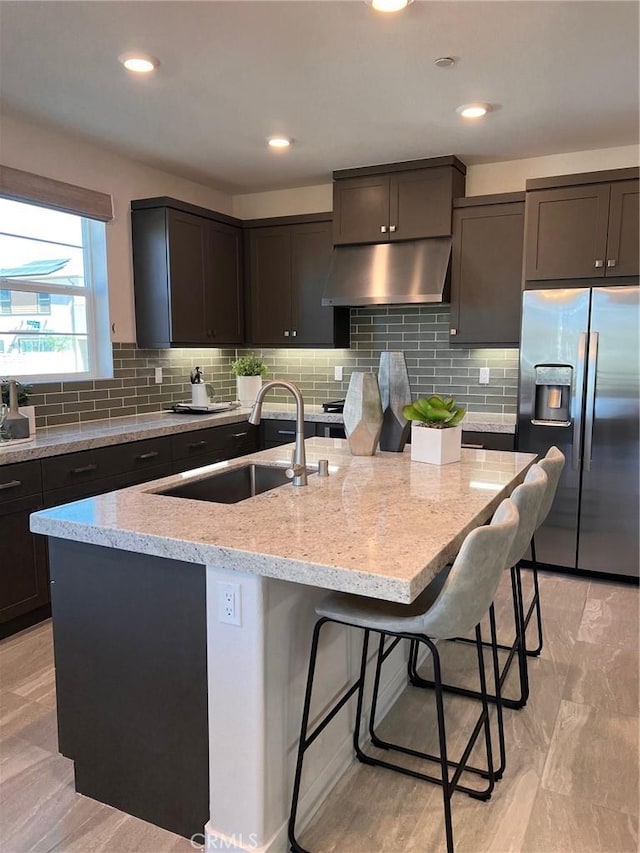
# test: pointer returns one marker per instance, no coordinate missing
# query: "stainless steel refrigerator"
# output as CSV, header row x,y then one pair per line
x,y
579,382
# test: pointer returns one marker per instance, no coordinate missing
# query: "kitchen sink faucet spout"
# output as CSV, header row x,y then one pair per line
x,y
298,469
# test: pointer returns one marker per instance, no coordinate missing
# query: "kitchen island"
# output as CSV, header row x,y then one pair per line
x,y
157,688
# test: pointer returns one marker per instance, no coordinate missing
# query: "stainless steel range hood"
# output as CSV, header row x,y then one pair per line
x,y
389,273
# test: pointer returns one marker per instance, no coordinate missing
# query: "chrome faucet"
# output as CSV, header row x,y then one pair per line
x,y
298,468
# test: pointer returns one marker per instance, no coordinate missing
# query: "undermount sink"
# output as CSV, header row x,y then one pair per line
x,y
233,486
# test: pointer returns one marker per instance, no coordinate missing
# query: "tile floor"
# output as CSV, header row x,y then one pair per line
x,y
571,784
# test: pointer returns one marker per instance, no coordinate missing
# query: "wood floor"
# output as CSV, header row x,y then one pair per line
x,y
571,784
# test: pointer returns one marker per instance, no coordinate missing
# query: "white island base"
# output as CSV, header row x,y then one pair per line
x,y
257,675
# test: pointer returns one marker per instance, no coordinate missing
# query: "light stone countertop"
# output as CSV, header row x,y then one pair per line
x,y
55,441
381,526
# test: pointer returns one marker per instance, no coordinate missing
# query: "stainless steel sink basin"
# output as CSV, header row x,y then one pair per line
x,y
230,487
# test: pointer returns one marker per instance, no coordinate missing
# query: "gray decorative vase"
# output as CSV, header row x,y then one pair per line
x,y
15,424
363,413
395,393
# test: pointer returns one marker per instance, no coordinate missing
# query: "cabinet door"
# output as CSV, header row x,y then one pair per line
x,y
486,274
24,584
361,210
223,291
566,232
270,284
187,252
420,204
311,252
622,248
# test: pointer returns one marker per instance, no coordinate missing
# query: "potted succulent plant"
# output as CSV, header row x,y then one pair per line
x,y
24,392
436,434
249,371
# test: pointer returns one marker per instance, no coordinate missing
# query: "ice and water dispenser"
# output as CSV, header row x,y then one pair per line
x,y
553,384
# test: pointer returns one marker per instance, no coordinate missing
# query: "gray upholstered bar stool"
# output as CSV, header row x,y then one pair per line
x,y
528,498
460,605
552,465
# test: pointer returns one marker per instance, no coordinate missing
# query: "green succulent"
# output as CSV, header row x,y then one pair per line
x,y
436,412
249,365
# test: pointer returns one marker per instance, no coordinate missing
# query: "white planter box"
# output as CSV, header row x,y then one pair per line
x,y
248,387
435,446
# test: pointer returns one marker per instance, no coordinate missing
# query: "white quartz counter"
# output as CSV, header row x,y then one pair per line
x,y
381,526
54,441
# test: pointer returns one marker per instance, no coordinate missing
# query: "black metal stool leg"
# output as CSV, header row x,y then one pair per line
x,y
535,603
442,736
485,709
303,739
497,686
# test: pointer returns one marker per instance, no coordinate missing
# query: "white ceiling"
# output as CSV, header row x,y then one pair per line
x,y
351,86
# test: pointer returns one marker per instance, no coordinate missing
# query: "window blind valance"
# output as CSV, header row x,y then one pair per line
x,y
36,189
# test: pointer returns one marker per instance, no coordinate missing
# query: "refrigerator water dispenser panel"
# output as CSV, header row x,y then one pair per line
x,y
553,384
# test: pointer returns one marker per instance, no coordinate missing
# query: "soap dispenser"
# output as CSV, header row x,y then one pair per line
x,y
199,392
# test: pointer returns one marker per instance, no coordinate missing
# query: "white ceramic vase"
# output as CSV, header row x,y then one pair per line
x,y
247,389
29,412
435,446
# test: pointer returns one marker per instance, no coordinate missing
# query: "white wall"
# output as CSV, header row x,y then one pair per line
x,y
66,158
511,175
508,176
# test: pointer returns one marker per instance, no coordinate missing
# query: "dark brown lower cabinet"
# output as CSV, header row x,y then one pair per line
x,y
488,440
27,487
24,581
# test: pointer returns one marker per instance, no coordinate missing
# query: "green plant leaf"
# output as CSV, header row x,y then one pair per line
x,y
456,417
411,413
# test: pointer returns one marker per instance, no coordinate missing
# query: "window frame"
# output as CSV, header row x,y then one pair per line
x,y
95,292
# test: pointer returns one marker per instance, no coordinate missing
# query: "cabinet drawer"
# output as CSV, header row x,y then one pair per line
x,y
216,443
137,456
282,432
20,480
488,440
77,468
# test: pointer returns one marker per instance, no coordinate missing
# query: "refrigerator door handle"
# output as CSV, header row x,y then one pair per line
x,y
577,421
590,402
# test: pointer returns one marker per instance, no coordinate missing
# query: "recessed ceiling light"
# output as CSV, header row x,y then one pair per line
x,y
389,5
141,63
444,61
279,142
473,110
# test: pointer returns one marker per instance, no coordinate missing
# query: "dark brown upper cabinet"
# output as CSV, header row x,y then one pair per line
x,y
486,275
586,226
187,275
288,268
400,201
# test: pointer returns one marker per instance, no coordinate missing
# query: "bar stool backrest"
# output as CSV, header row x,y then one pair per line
x,y
528,499
552,465
474,577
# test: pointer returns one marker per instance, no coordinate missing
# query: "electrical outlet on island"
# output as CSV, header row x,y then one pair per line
x,y
229,604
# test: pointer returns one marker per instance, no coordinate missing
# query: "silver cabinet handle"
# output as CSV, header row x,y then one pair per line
x,y
142,457
577,401
383,229
286,432
193,445
473,446
611,263
392,228
599,264
12,484
84,470
286,333
453,331
294,334
238,434
590,400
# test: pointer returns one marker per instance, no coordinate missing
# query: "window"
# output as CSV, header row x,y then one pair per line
x,y
54,320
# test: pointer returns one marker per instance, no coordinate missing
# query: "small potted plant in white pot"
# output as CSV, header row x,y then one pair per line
x,y
24,392
436,434
249,371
